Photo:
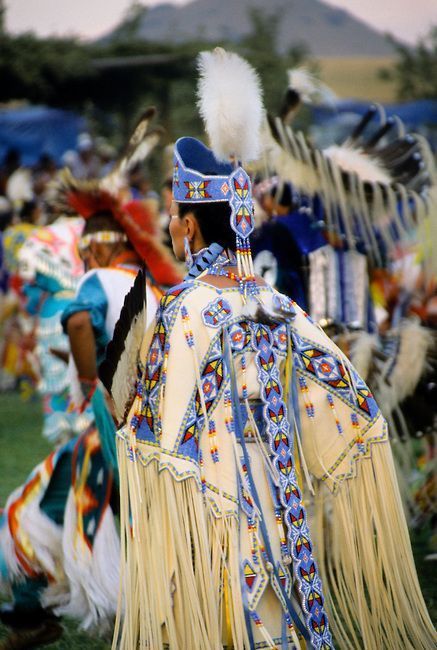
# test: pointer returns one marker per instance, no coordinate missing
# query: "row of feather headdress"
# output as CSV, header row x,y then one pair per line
x,y
374,183
376,178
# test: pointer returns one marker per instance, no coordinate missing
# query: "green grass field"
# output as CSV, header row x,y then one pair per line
x,y
22,447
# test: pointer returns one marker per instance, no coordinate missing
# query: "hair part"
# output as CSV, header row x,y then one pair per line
x,y
214,222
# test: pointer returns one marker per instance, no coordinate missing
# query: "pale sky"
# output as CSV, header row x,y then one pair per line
x,y
408,20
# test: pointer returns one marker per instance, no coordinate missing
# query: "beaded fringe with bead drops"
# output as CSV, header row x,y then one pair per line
x,y
366,562
246,271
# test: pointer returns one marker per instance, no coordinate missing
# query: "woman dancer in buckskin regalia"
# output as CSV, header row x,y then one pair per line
x,y
240,397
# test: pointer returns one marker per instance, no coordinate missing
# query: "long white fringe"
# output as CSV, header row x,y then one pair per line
x,y
93,576
181,573
367,564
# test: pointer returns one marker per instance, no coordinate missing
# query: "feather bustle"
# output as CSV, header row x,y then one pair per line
x,y
122,350
71,195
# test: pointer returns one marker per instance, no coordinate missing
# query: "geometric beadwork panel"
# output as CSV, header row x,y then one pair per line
x,y
280,338
144,424
211,380
280,438
241,204
327,369
239,335
217,313
152,375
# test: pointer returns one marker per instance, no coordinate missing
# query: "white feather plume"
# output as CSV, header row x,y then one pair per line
x,y
356,160
310,89
230,104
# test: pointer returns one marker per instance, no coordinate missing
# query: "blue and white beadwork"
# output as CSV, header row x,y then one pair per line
x,y
217,312
241,204
281,445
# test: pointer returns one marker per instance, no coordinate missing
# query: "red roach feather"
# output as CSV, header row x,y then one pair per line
x,y
138,223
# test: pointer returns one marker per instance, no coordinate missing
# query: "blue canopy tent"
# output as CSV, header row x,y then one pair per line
x,y
416,113
34,130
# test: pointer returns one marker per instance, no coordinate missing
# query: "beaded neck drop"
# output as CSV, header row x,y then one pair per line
x,y
205,258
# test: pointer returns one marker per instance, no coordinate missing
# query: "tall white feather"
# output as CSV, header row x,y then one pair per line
x,y
310,89
118,178
230,104
356,160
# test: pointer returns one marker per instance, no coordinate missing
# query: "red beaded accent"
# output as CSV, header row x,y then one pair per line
x,y
238,278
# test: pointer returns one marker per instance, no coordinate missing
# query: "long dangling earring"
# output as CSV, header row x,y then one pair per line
x,y
188,255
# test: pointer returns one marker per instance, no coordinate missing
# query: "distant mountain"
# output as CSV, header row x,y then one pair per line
x,y
325,30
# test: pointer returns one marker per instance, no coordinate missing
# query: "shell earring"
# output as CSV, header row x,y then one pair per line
x,y
188,254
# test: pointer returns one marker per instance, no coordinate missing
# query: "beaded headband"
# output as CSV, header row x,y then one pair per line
x,y
102,237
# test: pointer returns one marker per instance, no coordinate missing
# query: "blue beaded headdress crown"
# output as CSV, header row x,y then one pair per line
x,y
199,177
232,120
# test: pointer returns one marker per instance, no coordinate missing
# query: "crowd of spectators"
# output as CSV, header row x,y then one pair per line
x,y
24,191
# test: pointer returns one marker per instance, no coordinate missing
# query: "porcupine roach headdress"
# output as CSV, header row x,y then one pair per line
x,y
86,198
231,107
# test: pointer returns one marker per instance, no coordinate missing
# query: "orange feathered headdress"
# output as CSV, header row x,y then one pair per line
x,y
108,194
139,223
88,202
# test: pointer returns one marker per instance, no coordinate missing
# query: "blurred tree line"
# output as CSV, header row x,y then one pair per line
x,y
415,71
113,80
